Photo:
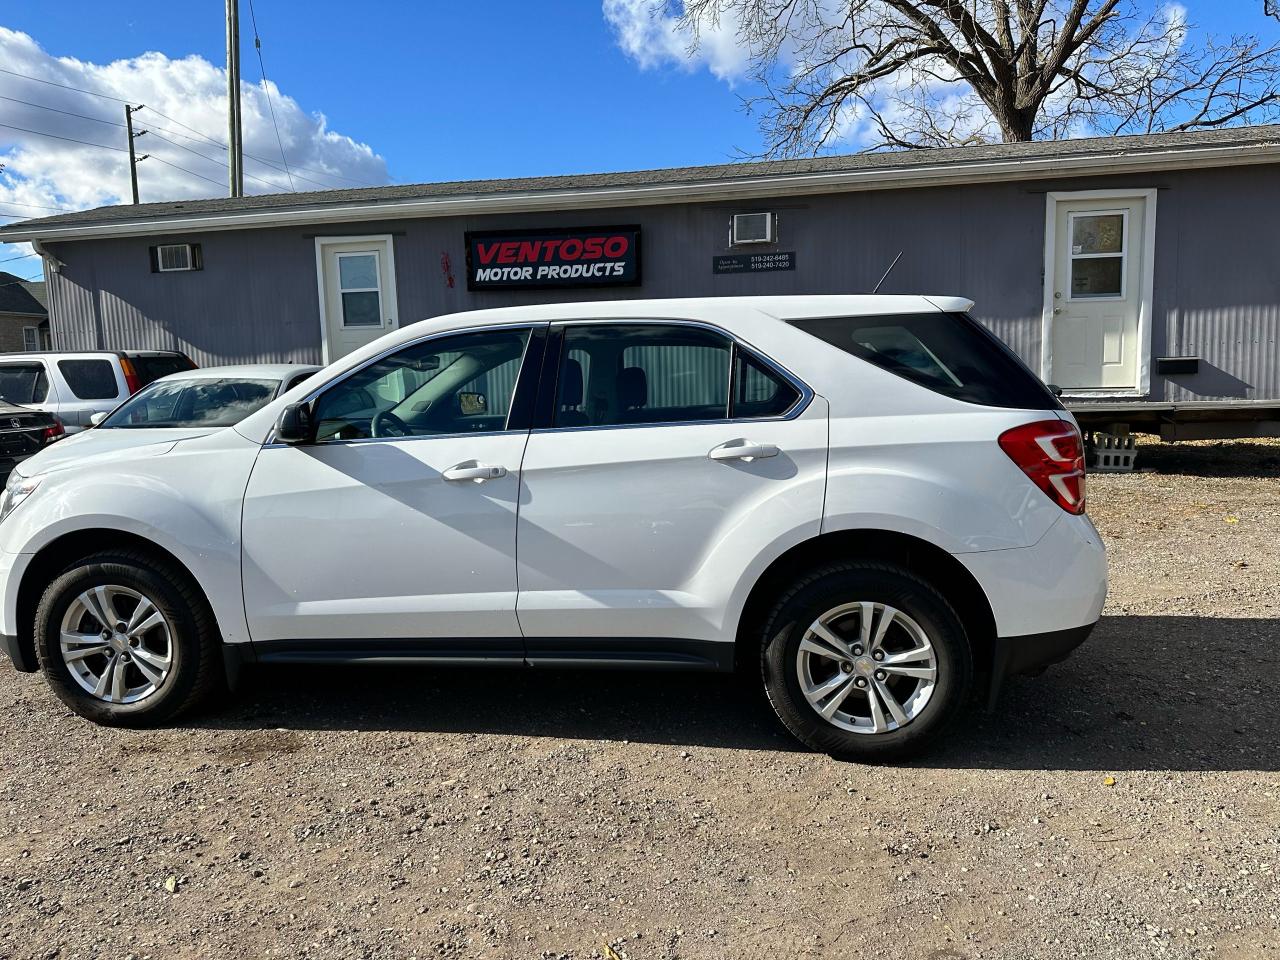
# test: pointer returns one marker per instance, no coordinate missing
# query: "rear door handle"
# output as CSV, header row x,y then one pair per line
x,y
474,470
741,449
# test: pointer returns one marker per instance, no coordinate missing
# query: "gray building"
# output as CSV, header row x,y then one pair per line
x,y
1130,271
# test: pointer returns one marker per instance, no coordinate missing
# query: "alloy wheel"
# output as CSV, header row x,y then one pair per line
x,y
867,667
116,644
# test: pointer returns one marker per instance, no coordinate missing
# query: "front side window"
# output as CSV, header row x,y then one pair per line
x,y
23,383
615,374
447,385
90,379
212,402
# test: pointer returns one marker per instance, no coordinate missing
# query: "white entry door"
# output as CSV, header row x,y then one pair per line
x,y
358,291
1099,287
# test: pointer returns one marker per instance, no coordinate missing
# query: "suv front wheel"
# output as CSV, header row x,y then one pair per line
x,y
125,640
865,661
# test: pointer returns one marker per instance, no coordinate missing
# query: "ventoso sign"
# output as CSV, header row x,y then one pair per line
x,y
577,257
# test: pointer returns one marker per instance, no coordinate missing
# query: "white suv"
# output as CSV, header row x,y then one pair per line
x,y
867,500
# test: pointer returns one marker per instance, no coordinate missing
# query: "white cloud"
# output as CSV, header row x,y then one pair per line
x,y
41,172
651,36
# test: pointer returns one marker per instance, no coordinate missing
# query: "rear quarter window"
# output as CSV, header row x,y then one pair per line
x,y
23,383
152,368
90,379
948,353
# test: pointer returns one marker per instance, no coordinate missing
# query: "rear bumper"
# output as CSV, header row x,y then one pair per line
x,y
1015,656
1057,584
21,659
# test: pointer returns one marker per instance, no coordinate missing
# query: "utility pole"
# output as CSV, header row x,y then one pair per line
x,y
235,136
129,111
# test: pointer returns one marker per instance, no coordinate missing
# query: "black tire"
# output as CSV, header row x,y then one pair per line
x,y
829,587
195,645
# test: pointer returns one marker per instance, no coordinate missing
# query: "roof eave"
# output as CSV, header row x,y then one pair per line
x,y
923,175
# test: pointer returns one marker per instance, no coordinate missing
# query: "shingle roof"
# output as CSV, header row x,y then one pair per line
x,y
18,296
901,161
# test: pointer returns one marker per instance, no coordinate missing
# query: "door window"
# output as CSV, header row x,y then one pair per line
x,y
447,385
1098,255
23,383
759,391
614,374
360,289
90,379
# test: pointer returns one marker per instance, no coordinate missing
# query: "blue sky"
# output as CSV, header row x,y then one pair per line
x,y
442,90
371,92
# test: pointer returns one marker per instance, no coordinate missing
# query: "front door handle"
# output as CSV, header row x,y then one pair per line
x,y
743,450
474,470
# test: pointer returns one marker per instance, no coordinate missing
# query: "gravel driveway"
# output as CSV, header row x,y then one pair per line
x,y
1125,804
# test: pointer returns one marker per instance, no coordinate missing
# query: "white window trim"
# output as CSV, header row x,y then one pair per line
x,y
1124,254
390,305
161,268
35,336
1146,277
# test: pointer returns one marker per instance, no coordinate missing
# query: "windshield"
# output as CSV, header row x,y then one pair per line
x,y
215,402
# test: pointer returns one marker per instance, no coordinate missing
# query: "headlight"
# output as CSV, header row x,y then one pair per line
x,y
15,491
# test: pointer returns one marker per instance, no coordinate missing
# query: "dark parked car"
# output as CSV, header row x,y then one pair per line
x,y
24,432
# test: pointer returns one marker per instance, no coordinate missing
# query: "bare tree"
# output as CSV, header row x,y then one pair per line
x,y
919,73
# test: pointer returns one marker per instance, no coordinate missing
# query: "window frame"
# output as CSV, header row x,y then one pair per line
x,y
195,258
1123,255
548,388
518,415
342,305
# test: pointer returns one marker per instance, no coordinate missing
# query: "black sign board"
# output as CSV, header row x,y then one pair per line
x,y
754,262
574,257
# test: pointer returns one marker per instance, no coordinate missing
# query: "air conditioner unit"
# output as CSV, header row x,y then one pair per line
x,y
751,228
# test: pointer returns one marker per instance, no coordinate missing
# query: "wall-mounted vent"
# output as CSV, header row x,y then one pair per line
x,y
175,257
751,228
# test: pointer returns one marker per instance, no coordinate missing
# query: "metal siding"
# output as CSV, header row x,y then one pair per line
x,y
1217,292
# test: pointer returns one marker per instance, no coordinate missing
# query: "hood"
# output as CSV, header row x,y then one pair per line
x,y
97,444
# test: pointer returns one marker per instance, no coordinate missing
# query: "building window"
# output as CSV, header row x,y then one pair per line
x,y
30,339
745,228
176,258
360,285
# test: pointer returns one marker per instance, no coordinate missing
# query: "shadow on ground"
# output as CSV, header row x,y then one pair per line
x,y
1225,458
1157,693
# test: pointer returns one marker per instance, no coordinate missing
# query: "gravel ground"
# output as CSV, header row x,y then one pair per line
x,y
1123,805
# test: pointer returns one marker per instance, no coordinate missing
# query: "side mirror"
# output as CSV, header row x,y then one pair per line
x,y
296,424
97,418
1054,389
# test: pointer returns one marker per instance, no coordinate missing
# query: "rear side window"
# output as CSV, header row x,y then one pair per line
x,y
90,379
151,368
616,374
23,382
949,353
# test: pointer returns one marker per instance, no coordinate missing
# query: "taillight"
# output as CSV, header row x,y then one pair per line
x,y
1051,453
132,382
55,431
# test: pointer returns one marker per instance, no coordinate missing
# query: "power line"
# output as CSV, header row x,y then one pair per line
x,y
38,206
203,156
41,106
23,257
103,146
65,86
266,89
55,136
199,135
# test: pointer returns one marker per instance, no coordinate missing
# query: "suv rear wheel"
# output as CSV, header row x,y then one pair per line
x,y
126,641
865,661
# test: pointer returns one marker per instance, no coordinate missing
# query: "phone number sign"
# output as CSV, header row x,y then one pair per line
x,y
754,262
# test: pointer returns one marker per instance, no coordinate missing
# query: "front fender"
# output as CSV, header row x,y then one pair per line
x,y
149,497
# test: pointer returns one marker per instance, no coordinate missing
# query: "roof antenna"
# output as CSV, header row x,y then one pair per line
x,y
876,288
